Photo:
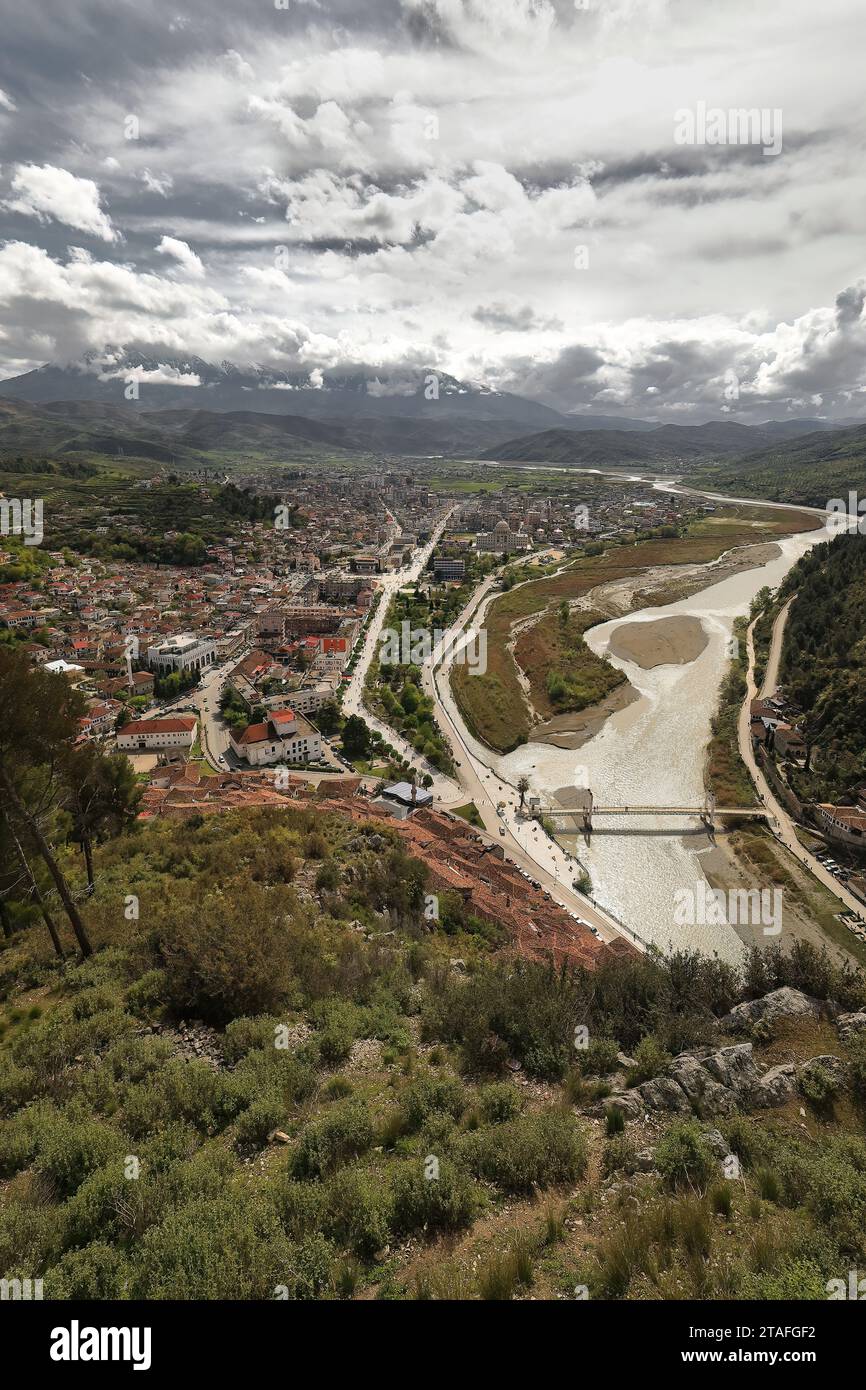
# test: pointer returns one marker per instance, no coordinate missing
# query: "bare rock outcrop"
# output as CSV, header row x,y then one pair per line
x,y
708,1083
780,1003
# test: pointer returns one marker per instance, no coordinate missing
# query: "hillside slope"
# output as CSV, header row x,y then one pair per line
x,y
810,470
278,1083
823,663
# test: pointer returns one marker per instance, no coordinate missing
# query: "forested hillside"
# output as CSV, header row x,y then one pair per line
x,y
824,662
810,471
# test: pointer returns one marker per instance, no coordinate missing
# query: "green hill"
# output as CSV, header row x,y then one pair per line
x,y
824,662
811,470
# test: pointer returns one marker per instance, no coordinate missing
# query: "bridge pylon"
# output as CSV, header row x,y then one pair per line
x,y
587,813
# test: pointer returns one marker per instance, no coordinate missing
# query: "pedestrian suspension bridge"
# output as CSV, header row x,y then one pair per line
x,y
584,814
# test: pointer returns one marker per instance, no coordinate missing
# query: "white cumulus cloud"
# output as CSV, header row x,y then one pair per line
x,y
183,254
52,194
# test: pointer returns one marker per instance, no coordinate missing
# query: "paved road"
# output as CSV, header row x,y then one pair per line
x,y
205,698
445,789
525,843
784,829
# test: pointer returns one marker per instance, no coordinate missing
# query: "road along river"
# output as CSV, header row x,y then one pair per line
x,y
652,753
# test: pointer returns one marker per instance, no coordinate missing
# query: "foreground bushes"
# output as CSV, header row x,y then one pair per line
x,y
395,1148
343,1133
539,1150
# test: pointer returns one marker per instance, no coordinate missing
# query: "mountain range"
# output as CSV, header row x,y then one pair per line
x,y
259,412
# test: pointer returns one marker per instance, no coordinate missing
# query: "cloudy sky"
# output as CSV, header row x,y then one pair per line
x,y
507,190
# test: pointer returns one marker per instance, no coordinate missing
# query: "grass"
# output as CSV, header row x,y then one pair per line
x,y
563,672
725,773
469,813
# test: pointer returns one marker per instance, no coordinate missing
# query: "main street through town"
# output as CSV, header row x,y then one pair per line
x,y
524,841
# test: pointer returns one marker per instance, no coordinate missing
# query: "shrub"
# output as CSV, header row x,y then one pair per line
x,y
683,1156
614,1121
499,1102
433,1094
857,1068
819,1087
721,1199
357,1211
342,1134
133,1059
600,1058
310,1265
446,1203
18,1085
533,1151
347,1277
273,1075
650,1060
97,1272
620,1155
89,1002
148,994
22,1136
768,1184
340,1021
256,1123
228,1247
245,1035
298,1205
337,1088
109,1207
230,954
30,1238
187,1091
747,1140
71,1151
329,877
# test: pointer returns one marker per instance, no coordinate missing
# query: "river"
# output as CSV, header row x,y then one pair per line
x,y
652,753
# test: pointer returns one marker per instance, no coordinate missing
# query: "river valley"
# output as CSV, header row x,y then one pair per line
x,y
651,752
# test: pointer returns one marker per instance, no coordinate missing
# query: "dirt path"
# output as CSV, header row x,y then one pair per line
x,y
771,675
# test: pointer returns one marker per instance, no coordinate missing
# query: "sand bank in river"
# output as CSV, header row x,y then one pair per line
x,y
673,641
576,728
677,639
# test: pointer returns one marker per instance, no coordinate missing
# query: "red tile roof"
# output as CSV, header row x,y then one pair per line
x,y
182,725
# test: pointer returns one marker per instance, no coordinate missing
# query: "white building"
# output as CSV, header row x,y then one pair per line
x,y
502,540
186,652
158,735
64,668
284,737
304,701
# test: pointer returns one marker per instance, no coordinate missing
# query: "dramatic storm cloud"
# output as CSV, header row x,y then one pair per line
x,y
646,206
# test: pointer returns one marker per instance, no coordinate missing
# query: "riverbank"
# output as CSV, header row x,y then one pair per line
x,y
575,729
497,707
